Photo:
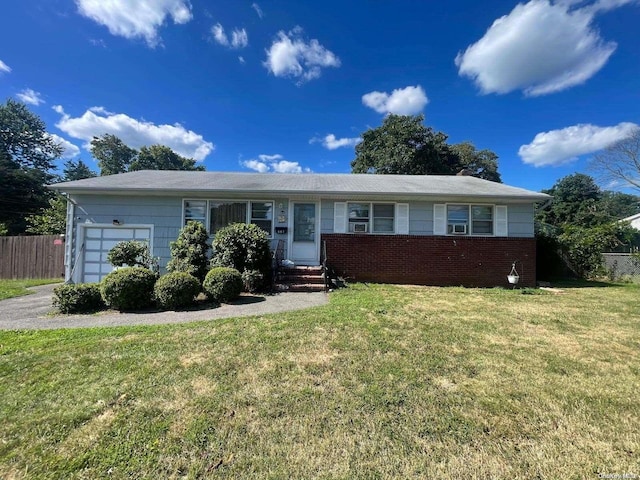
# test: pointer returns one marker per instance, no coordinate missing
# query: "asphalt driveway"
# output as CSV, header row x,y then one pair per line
x,y
35,311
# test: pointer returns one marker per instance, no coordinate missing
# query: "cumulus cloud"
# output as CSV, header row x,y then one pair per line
x,y
30,96
239,38
291,56
330,142
557,147
402,101
539,48
4,68
136,133
258,10
273,163
69,150
136,18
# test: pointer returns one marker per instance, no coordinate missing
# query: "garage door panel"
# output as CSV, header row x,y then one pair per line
x,y
97,243
119,233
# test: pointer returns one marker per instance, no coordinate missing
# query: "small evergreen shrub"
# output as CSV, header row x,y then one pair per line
x,y
244,247
189,251
176,290
132,253
252,280
84,297
223,284
128,288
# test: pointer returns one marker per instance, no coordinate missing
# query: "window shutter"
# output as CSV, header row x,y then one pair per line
x,y
402,218
439,219
502,226
339,217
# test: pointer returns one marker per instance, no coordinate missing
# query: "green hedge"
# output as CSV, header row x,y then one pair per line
x,y
176,290
84,297
128,288
223,284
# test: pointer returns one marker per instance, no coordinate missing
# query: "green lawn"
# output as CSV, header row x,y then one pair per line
x,y
16,288
384,382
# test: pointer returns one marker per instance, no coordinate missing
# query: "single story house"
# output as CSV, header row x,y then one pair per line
x,y
431,230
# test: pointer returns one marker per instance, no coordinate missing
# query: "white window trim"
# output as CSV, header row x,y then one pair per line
x,y
370,220
470,224
207,213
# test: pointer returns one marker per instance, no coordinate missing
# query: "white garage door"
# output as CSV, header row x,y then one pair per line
x,y
98,240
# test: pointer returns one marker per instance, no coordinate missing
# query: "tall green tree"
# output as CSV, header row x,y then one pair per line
x,y
112,154
27,153
159,157
403,145
76,170
480,163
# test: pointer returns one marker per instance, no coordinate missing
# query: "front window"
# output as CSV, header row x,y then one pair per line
x,y
217,214
469,220
371,217
222,214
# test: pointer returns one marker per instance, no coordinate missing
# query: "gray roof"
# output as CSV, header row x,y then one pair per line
x,y
156,182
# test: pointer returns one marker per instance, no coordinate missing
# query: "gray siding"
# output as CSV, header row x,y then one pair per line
x,y
421,218
326,216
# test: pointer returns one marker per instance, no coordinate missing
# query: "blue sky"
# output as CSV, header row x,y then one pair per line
x,y
290,86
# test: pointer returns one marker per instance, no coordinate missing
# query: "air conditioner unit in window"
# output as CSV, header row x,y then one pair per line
x,y
459,229
358,227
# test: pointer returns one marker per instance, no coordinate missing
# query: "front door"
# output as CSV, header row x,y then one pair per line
x,y
304,238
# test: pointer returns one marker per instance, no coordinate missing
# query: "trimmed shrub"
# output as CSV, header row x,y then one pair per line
x,y
84,297
223,284
244,247
132,253
189,251
176,290
128,288
252,280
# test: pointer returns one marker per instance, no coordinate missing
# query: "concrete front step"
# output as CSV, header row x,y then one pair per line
x,y
299,287
301,278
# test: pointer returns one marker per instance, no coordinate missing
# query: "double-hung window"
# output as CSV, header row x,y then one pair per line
x,y
217,214
470,219
371,217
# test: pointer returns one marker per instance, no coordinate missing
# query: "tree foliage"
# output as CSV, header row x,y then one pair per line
x,y
583,222
620,163
27,153
114,156
76,170
403,145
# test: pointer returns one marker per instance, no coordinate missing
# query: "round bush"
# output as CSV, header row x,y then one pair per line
x,y
128,288
223,284
84,297
176,290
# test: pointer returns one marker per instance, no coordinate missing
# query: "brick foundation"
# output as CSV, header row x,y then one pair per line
x,y
431,260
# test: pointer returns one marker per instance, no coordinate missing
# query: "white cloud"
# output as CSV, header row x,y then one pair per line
x,y
4,68
69,149
242,60
330,142
291,56
136,133
557,147
539,48
239,38
30,96
258,10
136,18
273,163
402,101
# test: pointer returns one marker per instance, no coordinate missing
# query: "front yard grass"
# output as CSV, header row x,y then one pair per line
x,y
16,288
384,382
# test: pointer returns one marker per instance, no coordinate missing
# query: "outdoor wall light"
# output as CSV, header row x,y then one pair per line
x,y
116,221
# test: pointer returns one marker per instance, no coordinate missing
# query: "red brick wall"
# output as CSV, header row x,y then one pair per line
x,y
431,260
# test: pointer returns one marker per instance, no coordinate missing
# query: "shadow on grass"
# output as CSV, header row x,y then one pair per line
x,y
579,283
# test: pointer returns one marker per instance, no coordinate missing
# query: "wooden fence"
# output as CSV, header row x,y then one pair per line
x,y
40,256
